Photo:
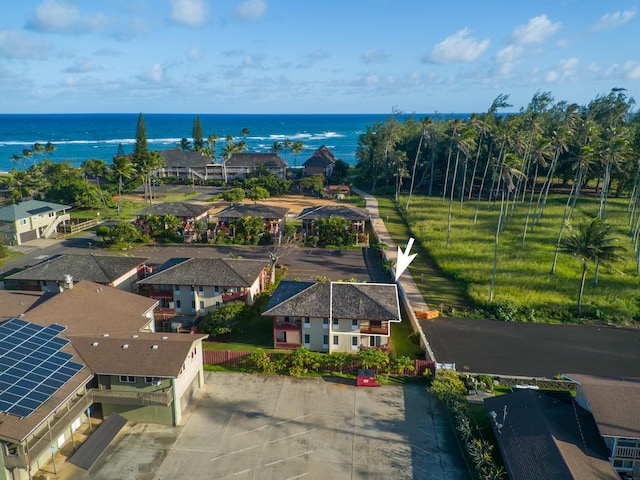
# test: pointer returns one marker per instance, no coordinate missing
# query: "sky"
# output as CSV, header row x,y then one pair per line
x,y
311,56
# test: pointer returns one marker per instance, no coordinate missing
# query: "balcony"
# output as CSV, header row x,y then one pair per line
x,y
157,292
233,296
282,325
116,397
627,453
162,314
368,329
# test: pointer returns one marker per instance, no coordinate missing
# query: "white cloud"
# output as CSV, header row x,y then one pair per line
x,y
251,9
191,13
613,20
18,46
107,52
509,54
83,65
195,53
155,74
459,47
565,70
60,17
629,70
374,56
537,30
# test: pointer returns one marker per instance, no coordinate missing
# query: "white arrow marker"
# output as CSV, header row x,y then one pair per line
x,y
404,259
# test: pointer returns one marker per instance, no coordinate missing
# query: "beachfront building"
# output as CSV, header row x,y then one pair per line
x,y
51,274
193,286
320,162
29,220
333,316
90,350
356,216
241,165
189,166
187,213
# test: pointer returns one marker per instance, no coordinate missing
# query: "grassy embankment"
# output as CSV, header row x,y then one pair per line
x,y
523,275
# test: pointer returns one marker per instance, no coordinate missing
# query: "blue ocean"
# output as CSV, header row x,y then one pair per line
x,y
78,137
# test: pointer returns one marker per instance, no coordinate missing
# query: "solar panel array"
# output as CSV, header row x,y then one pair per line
x,y
32,367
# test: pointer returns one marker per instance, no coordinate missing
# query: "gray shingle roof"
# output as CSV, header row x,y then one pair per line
x,y
363,301
177,158
323,157
547,435
139,358
253,210
614,403
95,268
326,211
207,271
14,212
177,209
255,159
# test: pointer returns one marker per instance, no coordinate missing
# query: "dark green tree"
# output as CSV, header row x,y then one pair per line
x,y
258,193
125,232
314,183
334,231
198,139
225,318
233,195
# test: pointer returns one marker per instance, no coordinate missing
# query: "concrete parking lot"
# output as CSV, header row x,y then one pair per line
x,y
270,427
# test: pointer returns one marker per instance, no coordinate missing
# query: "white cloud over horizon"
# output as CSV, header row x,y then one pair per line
x,y
459,47
251,9
62,17
613,20
190,13
537,30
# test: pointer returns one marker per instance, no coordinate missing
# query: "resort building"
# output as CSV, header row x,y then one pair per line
x,y
333,316
187,213
29,220
356,216
242,165
274,218
52,274
320,162
189,166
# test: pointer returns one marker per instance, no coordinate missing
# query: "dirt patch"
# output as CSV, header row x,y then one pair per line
x,y
295,203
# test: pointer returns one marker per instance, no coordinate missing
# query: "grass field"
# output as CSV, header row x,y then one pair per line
x,y
523,275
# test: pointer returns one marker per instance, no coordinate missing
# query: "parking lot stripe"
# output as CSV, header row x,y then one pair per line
x,y
233,453
298,476
287,459
294,435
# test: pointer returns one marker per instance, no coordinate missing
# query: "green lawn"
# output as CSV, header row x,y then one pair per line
x,y
523,274
435,286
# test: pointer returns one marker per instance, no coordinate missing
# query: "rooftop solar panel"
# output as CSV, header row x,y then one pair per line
x,y
32,367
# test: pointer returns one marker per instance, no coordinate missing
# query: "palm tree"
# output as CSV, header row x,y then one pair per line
x,y
592,243
276,147
26,153
37,149
122,168
49,148
296,148
286,145
96,168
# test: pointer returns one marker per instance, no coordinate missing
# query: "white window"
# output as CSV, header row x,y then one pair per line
x,y
336,340
201,305
127,379
325,341
152,380
325,323
307,339
336,322
177,288
23,221
354,325
354,343
307,322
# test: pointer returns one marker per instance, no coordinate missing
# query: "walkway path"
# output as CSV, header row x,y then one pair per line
x,y
406,284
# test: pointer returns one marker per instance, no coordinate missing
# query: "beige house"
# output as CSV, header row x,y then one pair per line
x,y
192,286
242,165
614,403
29,220
333,316
72,362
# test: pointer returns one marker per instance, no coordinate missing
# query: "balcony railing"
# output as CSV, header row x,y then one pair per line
x,y
281,325
627,452
163,399
155,292
233,296
160,314
367,329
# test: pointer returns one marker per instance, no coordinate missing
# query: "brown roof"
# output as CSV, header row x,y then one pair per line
x,y
14,303
323,157
614,403
363,301
207,271
257,210
326,211
255,159
93,308
545,435
104,269
146,353
177,158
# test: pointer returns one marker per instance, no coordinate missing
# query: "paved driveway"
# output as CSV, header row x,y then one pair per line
x,y
268,427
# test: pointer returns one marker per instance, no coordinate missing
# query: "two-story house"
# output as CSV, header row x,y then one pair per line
x,y
320,162
189,165
29,220
241,165
187,213
51,274
333,316
54,372
192,286
614,403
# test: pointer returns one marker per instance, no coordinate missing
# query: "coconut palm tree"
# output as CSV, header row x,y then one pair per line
x,y
97,168
49,148
122,169
591,243
296,148
37,149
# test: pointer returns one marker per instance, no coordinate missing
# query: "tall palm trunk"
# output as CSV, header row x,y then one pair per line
x,y
453,187
475,167
533,193
582,281
495,250
446,175
413,173
562,224
484,177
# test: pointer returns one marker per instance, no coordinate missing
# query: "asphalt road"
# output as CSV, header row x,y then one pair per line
x,y
533,349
